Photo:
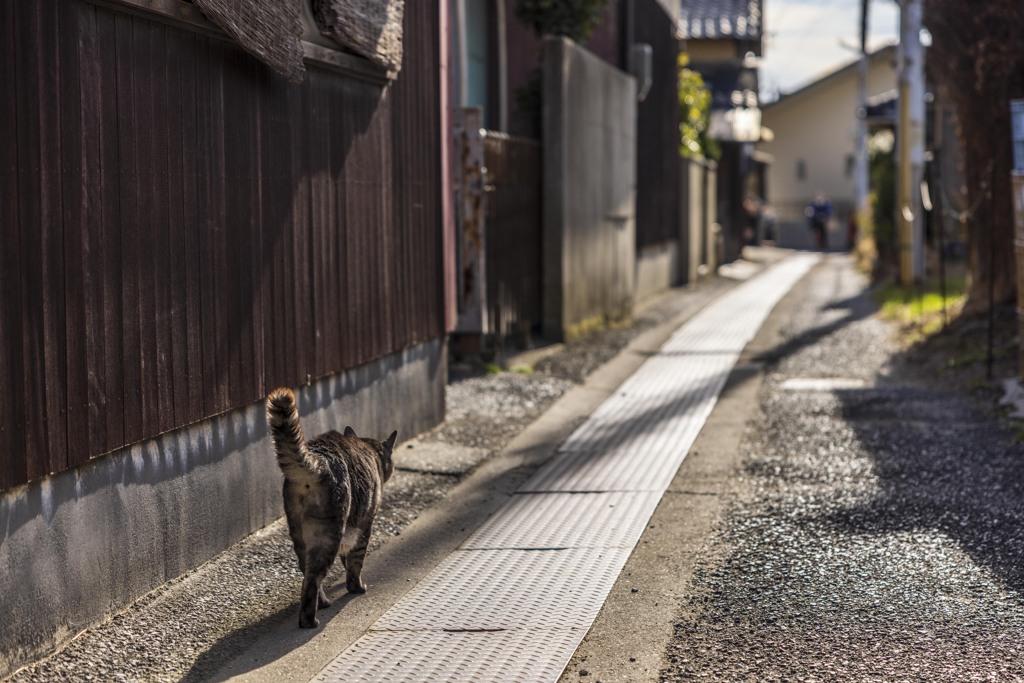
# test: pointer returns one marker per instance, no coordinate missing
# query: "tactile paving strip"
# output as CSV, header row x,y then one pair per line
x,y
636,440
509,589
637,451
567,520
514,601
447,657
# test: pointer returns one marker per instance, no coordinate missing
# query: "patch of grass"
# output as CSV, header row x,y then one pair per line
x,y
584,327
598,323
967,357
1017,428
919,309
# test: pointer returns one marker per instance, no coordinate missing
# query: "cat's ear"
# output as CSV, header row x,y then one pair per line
x,y
349,431
390,442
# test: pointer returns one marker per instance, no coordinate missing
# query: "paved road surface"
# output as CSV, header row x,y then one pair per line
x,y
876,529
837,518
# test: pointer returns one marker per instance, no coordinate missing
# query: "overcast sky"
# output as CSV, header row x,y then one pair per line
x,y
802,41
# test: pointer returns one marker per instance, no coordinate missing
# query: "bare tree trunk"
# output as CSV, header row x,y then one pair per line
x,y
990,234
977,56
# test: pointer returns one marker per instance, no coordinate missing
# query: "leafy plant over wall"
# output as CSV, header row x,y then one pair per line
x,y
574,19
694,115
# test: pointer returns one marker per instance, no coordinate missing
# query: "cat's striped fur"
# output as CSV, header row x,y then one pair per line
x,y
332,492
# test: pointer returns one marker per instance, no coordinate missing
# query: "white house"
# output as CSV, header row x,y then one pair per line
x,y
814,144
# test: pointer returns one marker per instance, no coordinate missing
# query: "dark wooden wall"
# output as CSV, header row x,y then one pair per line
x,y
658,164
514,221
183,230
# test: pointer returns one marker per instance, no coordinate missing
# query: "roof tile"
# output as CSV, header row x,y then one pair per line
x,y
720,18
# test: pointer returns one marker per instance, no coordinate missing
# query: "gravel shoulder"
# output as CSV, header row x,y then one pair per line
x,y
876,528
851,511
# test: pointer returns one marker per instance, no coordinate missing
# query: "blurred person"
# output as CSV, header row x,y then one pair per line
x,y
818,213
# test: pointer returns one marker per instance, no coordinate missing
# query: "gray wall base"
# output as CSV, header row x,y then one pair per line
x,y
80,545
657,269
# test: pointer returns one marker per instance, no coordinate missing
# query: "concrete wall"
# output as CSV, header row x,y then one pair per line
x,y
696,252
589,190
699,232
82,544
657,268
713,50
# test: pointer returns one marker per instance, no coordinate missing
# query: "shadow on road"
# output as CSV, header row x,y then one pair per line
x,y
856,308
944,457
222,661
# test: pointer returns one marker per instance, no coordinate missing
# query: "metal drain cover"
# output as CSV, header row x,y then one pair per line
x,y
822,383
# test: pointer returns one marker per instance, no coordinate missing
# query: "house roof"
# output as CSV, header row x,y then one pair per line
x,y
704,19
888,51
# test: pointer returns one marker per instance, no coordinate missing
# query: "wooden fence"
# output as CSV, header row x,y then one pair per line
x,y
657,176
514,221
183,229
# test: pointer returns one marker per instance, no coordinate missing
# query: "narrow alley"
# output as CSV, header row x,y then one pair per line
x,y
838,517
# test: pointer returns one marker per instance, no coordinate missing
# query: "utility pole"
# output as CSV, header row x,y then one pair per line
x,y
911,143
860,187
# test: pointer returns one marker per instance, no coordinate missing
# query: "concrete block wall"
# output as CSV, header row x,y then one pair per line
x,y
589,190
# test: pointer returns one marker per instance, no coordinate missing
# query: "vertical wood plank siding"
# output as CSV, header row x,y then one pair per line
x,y
13,420
657,212
416,182
514,218
183,229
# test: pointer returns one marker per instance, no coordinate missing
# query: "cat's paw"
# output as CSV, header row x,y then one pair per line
x,y
355,586
308,623
323,601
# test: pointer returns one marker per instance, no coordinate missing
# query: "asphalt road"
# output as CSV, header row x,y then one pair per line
x,y
873,525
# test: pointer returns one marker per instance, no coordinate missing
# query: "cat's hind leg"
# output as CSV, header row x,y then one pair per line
x,y
318,561
354,561
309,600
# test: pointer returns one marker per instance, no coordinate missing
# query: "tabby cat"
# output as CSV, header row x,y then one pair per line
x,y
332,491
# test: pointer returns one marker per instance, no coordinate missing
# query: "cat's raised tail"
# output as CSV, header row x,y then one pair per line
x,y
286,432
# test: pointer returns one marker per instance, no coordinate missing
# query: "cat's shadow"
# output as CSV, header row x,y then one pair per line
x,y
278,634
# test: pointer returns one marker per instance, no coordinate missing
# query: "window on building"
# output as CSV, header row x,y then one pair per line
x,y
476,54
